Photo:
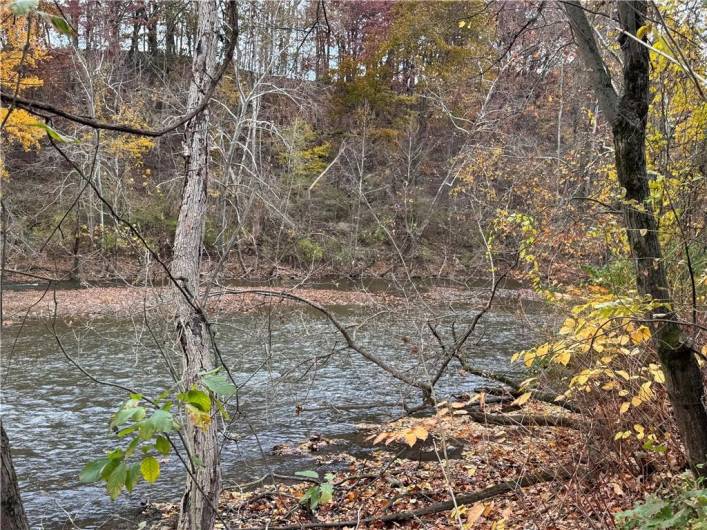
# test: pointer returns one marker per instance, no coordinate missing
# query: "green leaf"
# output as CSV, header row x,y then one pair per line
x,y
309,473
22,7
116,454
311,497
116,480
150,469
162,445
133,476
197,399
122,433
126,414
219,385
162,421
131,446
61,25
326,492
53,134
91,472
147,430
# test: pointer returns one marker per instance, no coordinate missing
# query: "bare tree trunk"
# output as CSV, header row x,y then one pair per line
x,y
12,513
200,501
628,116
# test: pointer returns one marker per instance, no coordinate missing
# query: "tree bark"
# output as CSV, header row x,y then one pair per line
x,y
12,512
200,500
628,117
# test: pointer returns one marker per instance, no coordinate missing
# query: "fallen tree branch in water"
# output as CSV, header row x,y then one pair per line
x,y
508,381
528,420
348,338
531,479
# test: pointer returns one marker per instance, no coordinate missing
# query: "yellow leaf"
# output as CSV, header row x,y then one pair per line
x,y
640,335
624,407
642,32
420,432
640,430
563,357
522,399
646,394
657,373
621,435
623,374
567,327
462,23
200,418
636,401
457,512
410,437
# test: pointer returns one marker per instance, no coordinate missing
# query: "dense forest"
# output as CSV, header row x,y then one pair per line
x,y
478,226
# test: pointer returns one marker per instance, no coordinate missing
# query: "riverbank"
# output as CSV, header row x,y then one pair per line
x,y
455,468
123,302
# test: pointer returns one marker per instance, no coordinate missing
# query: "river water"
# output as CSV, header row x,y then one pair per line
x,y
57,419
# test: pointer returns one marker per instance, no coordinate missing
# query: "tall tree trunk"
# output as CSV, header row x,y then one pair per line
x,y
198,507
12,512
152,21
171,11
628,117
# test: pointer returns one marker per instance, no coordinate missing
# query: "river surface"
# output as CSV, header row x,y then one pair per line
x,y
57,419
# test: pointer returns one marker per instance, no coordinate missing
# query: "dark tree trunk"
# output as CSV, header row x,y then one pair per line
x,y
170,32
12,513
138,18
683,374
152,32
76,262
628,116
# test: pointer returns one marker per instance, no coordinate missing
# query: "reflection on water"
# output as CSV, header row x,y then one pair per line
x,y
57,419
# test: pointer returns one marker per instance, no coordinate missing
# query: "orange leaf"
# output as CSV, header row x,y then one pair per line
x,y
474,514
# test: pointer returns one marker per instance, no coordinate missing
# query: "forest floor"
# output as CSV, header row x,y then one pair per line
x,y
461,472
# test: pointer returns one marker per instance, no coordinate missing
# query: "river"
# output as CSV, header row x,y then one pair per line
x,y
57,419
